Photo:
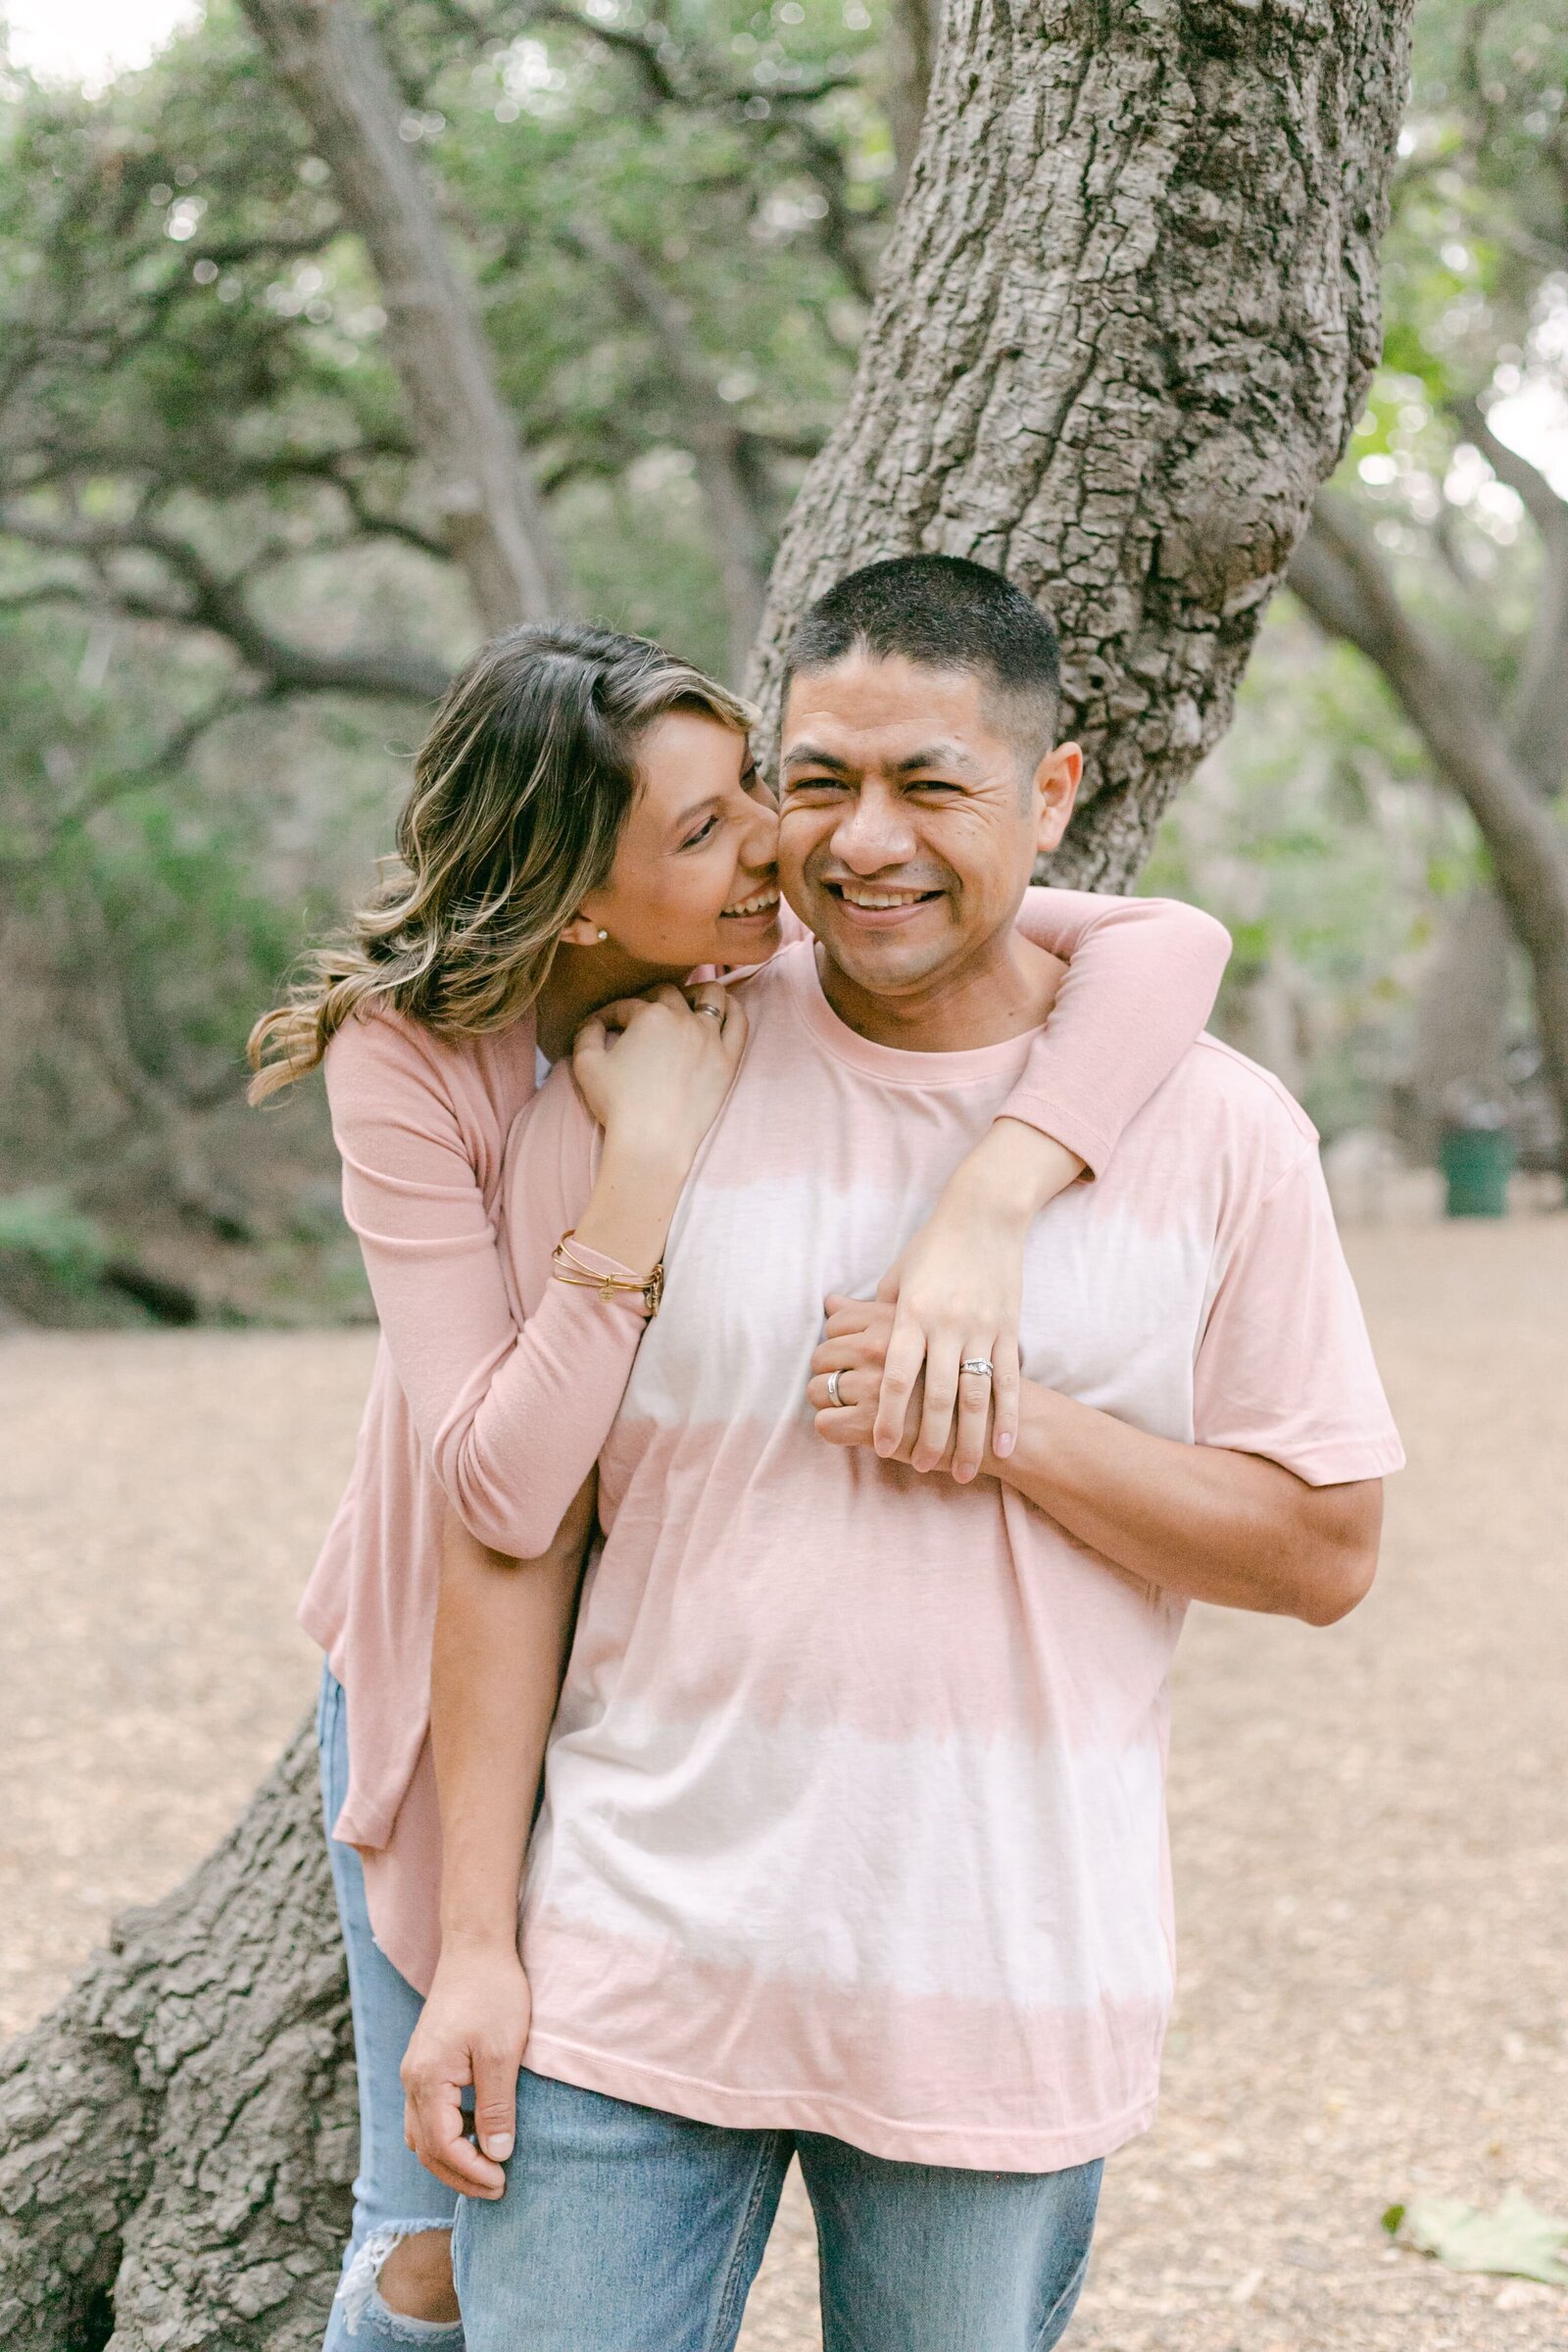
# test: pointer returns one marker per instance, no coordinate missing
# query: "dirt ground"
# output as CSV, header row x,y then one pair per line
x,y
1370,1837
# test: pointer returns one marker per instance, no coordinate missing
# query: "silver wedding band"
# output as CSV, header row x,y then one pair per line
x,y
981,1365
714,1013
833,1396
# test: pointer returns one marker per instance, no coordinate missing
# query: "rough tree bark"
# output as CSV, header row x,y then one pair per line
x,y
1126,320
176,2141
329,59
1128,315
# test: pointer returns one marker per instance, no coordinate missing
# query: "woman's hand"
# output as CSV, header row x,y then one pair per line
x,y
957,1290
856,1345
471,2031
654,1070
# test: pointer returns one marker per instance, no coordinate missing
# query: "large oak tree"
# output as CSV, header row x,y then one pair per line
x,y
1124,327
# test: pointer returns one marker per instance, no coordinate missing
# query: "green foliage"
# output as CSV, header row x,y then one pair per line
x,y
203,446
41,1225
197,341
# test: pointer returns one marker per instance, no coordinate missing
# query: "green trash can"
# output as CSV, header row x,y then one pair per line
x,y
1477,1163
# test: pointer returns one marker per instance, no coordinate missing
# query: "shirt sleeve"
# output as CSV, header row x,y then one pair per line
x,y
1285,1367
483,1383
1141,982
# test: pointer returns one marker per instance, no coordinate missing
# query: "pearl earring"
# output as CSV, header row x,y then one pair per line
x,y
603,936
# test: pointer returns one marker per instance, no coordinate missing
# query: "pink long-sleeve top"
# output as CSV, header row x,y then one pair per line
x,y
503,1419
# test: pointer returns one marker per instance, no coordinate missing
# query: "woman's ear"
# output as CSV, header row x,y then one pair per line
x,y
1056,782
583,931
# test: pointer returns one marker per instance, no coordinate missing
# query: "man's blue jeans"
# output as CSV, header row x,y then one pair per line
x,y
625,2230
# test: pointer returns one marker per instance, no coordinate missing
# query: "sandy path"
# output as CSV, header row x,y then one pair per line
x,y
1371,1852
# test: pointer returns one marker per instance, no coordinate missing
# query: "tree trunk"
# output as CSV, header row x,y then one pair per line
x,y
327,57
176,2141
1460,1057
1126,321
1128,315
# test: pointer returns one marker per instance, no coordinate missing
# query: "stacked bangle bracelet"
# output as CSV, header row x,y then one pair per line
x,y
569,1268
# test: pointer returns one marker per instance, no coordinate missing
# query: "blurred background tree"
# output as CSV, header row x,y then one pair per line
x,y
229,545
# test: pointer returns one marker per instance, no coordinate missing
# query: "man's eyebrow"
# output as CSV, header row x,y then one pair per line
x,y
936,755
808,755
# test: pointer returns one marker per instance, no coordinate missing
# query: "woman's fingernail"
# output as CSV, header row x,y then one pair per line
x,y
1003,1446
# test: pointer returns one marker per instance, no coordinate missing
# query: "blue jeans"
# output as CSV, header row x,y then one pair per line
x,y
394,2197
623,2229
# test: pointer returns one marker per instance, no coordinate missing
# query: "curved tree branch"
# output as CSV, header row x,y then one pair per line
x,y
218,604
1343,583
1538,723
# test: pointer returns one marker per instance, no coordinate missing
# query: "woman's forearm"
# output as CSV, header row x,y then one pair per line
x,y
1196,1520
635,1196
1013,1173
502,1635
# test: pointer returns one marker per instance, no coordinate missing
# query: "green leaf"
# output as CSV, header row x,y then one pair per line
x,y
1517,2241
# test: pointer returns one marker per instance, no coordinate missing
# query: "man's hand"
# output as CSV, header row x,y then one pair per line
x,y
856,1345
473,2032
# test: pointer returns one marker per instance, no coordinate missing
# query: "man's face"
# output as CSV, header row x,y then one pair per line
x,y
909,822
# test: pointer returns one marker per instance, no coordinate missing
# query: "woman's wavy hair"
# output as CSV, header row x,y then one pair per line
x,y
520,791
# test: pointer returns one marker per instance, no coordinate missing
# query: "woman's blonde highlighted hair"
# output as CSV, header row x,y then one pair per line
x,y
520,791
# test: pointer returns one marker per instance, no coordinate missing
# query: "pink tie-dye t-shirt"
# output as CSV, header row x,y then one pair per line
x,y
854,1813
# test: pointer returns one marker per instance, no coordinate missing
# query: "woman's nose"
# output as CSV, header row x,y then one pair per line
x,y
760,847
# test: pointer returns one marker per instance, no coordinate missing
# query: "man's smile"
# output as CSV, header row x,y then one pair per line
x,y
880,905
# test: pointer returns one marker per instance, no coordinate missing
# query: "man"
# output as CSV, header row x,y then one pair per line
x,y
853,1839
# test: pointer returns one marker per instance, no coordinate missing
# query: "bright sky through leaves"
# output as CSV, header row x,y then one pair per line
x,y
89,41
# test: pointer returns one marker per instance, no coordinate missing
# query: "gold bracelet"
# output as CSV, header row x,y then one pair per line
x,y
570,1270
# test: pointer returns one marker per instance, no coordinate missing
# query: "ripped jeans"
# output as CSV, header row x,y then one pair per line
x,y
394,2197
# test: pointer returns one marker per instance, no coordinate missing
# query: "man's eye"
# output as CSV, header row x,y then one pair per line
x,y
816,784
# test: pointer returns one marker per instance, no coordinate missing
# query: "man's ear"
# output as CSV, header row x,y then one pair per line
x,y
1056,782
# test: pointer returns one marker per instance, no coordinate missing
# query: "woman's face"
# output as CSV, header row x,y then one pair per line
x,y
695,878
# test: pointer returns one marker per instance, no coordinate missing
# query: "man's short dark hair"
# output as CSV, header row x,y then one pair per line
x,y
947,614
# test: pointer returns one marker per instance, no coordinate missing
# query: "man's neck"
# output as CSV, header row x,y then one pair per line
x,y
1007,989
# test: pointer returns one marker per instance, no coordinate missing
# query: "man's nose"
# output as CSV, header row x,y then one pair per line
x,y
873,831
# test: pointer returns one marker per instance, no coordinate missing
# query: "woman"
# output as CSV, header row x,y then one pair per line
x,y
586,823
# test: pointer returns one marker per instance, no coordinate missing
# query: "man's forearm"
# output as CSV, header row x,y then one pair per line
x,y
501,1638
1196,1520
